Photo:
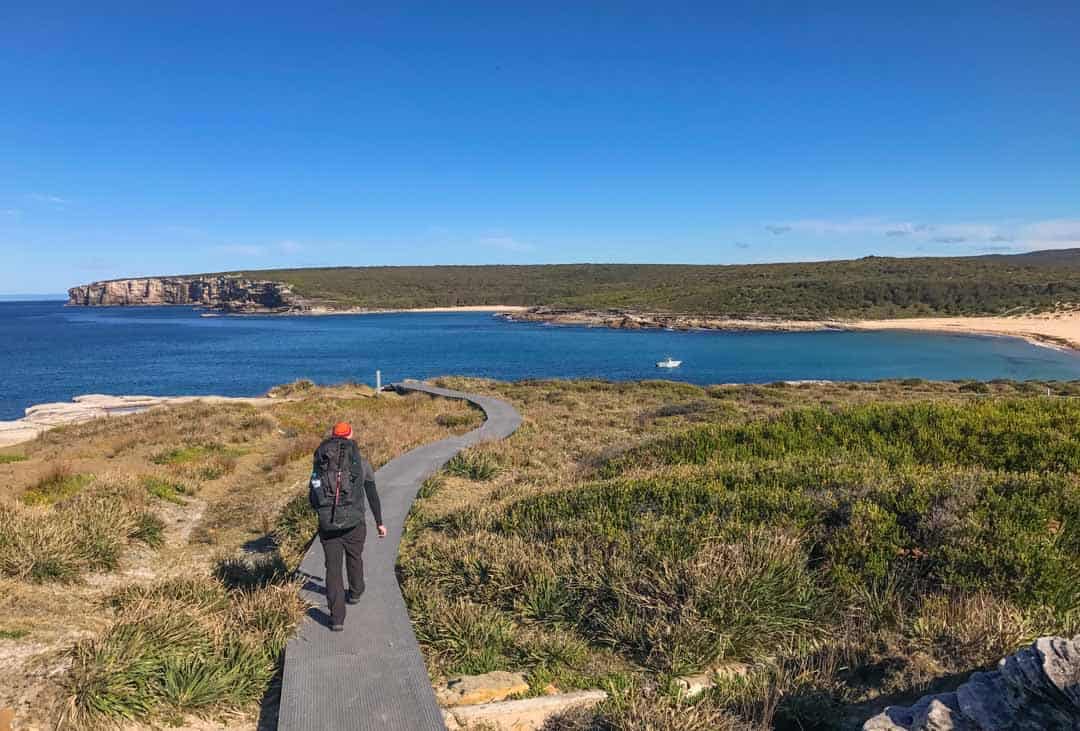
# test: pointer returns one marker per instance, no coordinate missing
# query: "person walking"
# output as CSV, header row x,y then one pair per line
x,y
338,474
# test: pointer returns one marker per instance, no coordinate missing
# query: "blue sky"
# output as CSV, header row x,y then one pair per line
x,y
147,139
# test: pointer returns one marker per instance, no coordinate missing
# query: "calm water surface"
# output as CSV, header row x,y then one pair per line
x,y
49,352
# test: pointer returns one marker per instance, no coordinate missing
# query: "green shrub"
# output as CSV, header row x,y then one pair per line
x,y
9,458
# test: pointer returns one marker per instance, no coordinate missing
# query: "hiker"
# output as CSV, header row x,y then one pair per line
x,y
338,473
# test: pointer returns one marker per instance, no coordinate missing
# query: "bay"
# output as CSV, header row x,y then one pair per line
x,y
49,352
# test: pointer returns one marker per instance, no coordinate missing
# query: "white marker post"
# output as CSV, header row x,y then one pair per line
x,y
378,382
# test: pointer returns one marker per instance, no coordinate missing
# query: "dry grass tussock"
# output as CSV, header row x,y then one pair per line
x,y
852,544
100,518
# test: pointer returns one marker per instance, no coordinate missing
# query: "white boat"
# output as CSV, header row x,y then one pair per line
x,y
668,362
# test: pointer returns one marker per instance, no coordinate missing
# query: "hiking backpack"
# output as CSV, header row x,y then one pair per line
x,y
331,485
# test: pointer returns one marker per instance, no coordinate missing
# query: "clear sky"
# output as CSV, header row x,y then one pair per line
x,y
141,138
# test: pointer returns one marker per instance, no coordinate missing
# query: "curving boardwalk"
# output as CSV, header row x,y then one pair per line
x,y
372,675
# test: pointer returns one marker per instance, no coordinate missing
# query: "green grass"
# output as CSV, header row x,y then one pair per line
x,y
1013,435
171,491
10,458
14,634
844,553
57,485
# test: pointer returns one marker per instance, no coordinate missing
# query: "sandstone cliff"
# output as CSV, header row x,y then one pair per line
x,y
226,294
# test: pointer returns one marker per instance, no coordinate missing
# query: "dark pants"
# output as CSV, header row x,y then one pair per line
x,y
336,545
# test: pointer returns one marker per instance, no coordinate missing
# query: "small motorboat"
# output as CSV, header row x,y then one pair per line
x,y
668,362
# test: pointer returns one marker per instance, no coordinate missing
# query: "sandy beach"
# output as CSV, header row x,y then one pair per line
x,y
1054,329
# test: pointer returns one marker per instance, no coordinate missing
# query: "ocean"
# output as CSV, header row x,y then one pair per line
x,y
49,352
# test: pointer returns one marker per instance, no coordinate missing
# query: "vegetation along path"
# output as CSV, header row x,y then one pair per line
x,y
372,675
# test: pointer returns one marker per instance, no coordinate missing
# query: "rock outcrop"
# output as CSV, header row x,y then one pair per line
x,y
528,714
1036,688
473,689
226,294
637,320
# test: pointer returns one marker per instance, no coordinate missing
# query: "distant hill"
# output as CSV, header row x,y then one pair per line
x,y
868,287
871,287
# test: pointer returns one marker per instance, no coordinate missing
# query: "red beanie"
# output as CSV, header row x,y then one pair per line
x,y
342,429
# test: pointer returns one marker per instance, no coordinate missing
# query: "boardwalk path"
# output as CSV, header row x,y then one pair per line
x,y
372,675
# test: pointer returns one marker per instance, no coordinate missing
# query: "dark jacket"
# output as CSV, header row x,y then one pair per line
x,y
351,513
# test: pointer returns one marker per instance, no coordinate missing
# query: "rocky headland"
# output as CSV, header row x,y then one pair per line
x,y
220,293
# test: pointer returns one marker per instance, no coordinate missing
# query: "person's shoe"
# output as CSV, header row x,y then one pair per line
x,y
337,628
352,598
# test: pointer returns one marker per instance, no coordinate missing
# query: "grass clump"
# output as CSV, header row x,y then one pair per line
x,y
188,645
296,525
475,464
296,388
57,484
458,420
172,491
12,458
86,533
207,460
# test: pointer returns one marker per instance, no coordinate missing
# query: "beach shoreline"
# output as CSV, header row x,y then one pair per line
x,y
1059,330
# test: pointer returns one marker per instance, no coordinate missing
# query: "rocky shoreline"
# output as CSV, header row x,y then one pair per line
x,y
637,320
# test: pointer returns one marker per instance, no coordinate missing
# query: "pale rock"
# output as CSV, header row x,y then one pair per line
x,y
472,689
529,714
227,294
694,685
1037,687
450,722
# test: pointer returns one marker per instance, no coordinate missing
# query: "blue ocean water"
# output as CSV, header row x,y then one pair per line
x,y
49,352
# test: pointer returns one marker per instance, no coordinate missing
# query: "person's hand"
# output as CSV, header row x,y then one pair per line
x,y
382,530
